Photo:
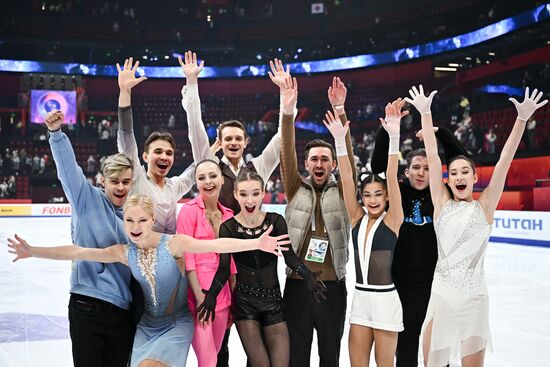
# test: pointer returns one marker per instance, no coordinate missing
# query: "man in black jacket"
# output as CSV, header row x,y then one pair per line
x,y
415,253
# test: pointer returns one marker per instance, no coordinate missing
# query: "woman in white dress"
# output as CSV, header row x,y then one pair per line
x,y
457,320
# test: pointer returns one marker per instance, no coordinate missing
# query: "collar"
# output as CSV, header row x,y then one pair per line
x,y
200,203
242,163
331,182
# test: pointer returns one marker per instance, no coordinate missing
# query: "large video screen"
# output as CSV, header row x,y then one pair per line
x,y
45,101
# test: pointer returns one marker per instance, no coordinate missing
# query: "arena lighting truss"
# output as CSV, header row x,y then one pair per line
x,y
489,32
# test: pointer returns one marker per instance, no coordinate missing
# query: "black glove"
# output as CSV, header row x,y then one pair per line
x,y
208,306
317,288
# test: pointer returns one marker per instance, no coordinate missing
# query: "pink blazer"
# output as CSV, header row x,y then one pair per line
x,y
192,222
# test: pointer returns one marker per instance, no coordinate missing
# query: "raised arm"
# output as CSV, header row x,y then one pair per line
x,y
337,93
22,250
126,140
392,125
266,162
349,188
491,195
75,185
191,103
423,104
379,160
181,243
289,162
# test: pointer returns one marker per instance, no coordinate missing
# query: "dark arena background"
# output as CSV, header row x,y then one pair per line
x,y
62,54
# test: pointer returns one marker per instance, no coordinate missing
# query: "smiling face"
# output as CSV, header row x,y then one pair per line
x,y
209,180
249,194
462,179
159,158
418,173
320,164
118,187
374,198
233,142
138,223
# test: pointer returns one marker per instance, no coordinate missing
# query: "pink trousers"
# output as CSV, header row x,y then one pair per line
x,y
207,340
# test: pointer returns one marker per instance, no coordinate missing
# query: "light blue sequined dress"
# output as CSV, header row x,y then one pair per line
x,y
165,330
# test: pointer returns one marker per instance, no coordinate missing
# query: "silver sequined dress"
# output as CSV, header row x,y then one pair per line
x,y
459,302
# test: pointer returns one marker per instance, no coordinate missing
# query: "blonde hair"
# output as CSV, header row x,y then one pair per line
x,y
114,165
143,201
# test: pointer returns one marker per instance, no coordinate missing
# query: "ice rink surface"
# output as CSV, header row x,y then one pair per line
x,y
34,297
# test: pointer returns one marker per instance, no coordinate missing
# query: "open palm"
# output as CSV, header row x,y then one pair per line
x,y
278,74
127,75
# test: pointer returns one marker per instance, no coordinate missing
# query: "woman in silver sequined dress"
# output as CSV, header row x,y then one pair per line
x,y
457,320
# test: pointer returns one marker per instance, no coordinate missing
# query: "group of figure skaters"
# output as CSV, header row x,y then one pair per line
x,y
418,244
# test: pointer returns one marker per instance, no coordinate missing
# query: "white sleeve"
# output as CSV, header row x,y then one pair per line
x,y
191,103
266,162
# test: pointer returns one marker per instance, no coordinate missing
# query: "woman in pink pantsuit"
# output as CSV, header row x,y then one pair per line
x,y
201,218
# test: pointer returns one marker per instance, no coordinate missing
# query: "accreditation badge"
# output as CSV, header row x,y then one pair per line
x,y
317,250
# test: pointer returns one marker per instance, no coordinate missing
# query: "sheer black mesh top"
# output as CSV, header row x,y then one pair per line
x,y
258,268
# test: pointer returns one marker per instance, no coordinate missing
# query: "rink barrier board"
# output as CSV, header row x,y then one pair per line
x,y
518,227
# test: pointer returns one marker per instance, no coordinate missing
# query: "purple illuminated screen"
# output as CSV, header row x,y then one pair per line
x,y
45,101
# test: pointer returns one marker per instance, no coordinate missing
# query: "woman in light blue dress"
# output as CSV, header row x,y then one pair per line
x,y
165,330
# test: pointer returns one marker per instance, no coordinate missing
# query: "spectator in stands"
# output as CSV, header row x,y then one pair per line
x,y
16,161
171,122
28,164
490,141
42,164
3,188
35,164
308,199
531,134
269,186
23,160
1,165
12,187
91,165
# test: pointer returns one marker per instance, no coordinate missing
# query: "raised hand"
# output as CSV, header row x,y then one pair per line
x,y
190,67
214,148
529,105
54,120
19,247
337,92
392,121
207,308
278,75
419,100
127,75
273,245
289,95
333,124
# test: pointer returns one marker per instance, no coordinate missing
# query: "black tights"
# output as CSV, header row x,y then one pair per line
x,y
273,351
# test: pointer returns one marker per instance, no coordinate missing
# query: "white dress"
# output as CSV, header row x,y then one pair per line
x,y
459,302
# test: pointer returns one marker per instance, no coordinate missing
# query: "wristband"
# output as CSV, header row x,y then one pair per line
x,y
341,148
394,145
